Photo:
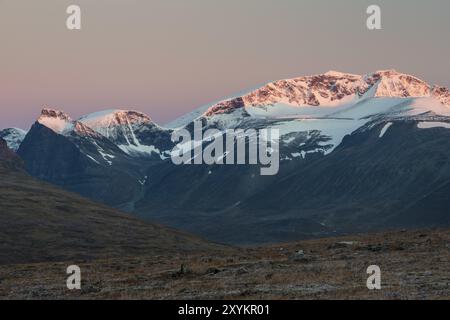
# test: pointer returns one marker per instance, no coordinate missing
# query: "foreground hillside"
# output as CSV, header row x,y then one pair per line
x,y
414,265
39,222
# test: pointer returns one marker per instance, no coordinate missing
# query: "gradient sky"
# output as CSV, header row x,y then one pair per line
x,y
168,57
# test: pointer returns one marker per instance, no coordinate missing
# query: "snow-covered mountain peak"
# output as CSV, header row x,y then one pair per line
x,y
54,113
56,120
316,90
391,83
13,137
132,131
61,123
117,125
331,89
101,120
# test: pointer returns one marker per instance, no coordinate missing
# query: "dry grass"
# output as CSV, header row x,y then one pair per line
x,y
41,223
414,264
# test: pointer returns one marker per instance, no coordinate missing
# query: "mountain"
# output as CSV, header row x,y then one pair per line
x,y
341,169
13,136
327,106
41,223
358,153
133,132
67,153
286,97
384,175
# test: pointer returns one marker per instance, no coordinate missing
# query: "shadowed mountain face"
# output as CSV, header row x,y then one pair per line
x,y
367,183
358,153
39,222
107,165
87,164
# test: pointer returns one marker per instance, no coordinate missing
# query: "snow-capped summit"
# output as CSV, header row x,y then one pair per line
x,y
390,83
333,104
94,146
318,90
331,89
61,123
115,116
13,137
132,131
56,120
108,121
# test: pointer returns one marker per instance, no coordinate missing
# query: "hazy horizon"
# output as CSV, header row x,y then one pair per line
x,y
168,57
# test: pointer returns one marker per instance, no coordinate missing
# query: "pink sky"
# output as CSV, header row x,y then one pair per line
x,y
168,57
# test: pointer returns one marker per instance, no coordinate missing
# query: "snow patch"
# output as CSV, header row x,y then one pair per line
x,y
141,149
107,157
429,125
92,159
334,129
385,129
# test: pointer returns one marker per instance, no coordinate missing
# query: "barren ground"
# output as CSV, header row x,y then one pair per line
x,y
414,265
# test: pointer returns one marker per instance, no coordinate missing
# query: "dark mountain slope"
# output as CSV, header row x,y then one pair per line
x,y
369,182
39,222
400,179
89,164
